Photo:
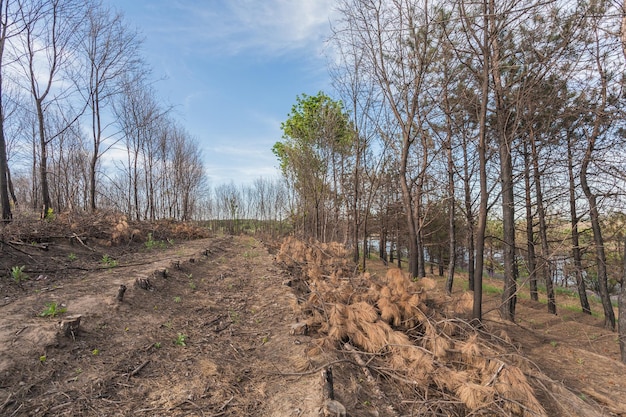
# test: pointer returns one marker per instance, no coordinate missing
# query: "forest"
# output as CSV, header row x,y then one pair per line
x,y
484,136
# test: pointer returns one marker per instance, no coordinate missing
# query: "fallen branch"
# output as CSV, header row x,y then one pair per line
x,y
368,375
138,369
75,236
6,402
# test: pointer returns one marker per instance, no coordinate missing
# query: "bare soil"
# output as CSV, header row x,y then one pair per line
x,y
211,335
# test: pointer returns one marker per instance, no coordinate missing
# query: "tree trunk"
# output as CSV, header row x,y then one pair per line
x,y
4,169
482,158
545,251
622,312
43,161
578,266
469,217
509,294
530,235
451,211
407,201
594,214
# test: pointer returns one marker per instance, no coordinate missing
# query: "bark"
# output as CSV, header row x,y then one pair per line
x,y
407,201
469,218
4,179
545,251
509,294
594,214
482,158
578,266
622,317
451,201
530,235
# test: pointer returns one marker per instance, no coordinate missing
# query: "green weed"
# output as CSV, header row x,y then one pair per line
x,y
52,310
180,340
18,274
108,261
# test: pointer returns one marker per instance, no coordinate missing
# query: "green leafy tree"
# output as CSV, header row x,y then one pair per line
x,y
317,138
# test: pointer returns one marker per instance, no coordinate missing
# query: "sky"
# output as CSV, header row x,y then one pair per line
x,y
232,69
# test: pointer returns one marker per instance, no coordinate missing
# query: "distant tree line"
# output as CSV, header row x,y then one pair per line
x,y
484,134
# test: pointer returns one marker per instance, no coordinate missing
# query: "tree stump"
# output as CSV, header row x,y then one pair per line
x,y
332,407
70,326
120,293
144,284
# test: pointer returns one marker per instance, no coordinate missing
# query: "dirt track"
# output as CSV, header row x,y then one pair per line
x,y
227,304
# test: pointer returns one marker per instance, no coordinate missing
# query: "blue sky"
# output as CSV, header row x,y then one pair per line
x,y
233,69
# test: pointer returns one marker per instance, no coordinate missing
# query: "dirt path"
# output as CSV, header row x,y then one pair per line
x,y
210,339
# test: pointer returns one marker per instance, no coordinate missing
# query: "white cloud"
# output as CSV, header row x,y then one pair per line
x,y
238,26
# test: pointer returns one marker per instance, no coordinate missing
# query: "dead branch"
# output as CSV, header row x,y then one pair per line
x,y
75,236
368,375
138,369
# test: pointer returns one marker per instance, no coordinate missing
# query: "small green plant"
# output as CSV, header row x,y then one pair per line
x,y
42,358
177,299
18,274
553,344
95,352
157,345
192,285
265,339
234,316
72,257
150,243
52,310
49,215
108,261
180,340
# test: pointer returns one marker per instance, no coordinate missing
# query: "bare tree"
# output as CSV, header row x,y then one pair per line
x,y
49,37
396,43
110,52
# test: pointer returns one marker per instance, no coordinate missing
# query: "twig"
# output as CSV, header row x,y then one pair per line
x,y
81,242
225,404
368,375
316,370
6,402
493,378
138,369
145,410
18,409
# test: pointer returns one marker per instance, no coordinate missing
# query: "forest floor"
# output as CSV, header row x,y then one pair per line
x,y
211,334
